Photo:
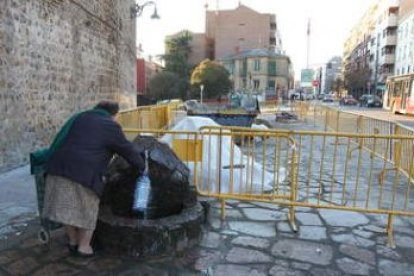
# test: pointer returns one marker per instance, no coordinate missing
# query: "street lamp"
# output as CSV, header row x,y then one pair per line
x,y
136,10
201,93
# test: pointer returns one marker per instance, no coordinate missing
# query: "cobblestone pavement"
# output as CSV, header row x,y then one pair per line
x,y
254,239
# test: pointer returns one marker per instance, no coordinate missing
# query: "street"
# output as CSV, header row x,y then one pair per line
x,y
376,113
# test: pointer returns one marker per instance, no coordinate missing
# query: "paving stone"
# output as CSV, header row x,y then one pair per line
x,y
338,229
216,223
251,242
304,251
234,214
343,218
352,240
80,261
247,256
301,266
210,240
239,270
263,214
217,205
229,233
352,267
312,232
360,254
374,228
56,269
388,252
303,209
232,202
206,260
383,220
141,269
391,268
267,205
308,219
281,262
284,227
22,266
283,271
14,211
362,233
382,240
254,228
7,229
54,254
316,271
404,230
245,205
104,264
404,241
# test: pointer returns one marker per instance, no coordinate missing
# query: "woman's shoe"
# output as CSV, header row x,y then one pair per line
x,y
84,255
73,249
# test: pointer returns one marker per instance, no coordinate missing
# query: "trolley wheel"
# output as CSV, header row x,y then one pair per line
x,y
43,236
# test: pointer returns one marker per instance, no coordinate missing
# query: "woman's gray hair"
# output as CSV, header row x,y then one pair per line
x,y
110,106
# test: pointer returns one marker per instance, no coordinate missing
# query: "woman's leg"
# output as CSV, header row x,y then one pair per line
x,y
72,233
84,238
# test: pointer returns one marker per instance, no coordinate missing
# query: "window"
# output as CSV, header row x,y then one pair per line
x,y
271,85
272,68
256,84
257,65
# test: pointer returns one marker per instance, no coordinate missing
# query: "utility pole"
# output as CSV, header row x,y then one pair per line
x,y
308,44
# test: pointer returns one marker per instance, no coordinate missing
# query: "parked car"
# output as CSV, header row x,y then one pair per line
x,y
370,101
348,100
190,105
328,98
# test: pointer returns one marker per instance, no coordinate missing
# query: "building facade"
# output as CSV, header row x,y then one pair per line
x,y
405,39
259,71
57,58
369,51
229,32
330,72
232,31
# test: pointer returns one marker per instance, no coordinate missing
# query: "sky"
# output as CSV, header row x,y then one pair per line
x,y
331,22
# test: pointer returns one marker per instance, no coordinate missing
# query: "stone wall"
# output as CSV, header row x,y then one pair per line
x,y
58,57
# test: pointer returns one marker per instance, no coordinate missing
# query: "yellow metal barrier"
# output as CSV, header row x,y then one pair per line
x,y
298,168
335,120
153,116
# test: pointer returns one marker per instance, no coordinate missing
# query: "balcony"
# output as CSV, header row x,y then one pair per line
x,y
390,40
392,21
389,58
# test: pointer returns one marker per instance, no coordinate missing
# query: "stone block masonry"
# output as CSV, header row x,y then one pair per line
x,y
58,57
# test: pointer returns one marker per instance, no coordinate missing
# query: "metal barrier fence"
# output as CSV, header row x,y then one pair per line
x,y
335,120
153,116
297,168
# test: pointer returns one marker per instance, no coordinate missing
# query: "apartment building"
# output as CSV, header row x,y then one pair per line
x,y
240,29
404,63
259,71
369,51
330,72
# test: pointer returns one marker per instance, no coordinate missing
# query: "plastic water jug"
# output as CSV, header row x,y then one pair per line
x,y
142,193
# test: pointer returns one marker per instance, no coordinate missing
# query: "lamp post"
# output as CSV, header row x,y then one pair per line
x,y
136,10
201,93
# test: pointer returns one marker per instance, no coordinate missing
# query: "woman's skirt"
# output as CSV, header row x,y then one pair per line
x,y
70,203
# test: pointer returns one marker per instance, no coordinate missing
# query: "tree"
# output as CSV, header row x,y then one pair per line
x,y
337,85
176,59
164,85
357,80
213,76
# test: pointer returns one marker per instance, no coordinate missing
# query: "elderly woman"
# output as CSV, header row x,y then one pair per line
x,y
75,171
